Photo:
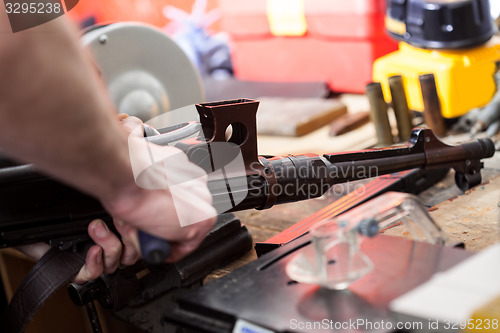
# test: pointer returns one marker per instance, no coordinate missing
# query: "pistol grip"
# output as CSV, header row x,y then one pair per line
x,y
154,250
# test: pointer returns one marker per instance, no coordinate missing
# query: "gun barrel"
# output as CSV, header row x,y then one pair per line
x,y
301,177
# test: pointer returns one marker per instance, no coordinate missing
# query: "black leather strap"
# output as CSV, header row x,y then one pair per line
x,y
54,270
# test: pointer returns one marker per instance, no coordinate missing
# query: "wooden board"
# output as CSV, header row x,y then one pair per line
x,y
472,218
320,141
296,116
349,122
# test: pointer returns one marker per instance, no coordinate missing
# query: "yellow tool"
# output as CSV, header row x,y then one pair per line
x,y
450,39
464,77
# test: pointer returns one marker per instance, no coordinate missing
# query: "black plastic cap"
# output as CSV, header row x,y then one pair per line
x,y
440,24
368,227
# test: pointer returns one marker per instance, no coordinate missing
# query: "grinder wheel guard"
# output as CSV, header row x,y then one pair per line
x,y
147,74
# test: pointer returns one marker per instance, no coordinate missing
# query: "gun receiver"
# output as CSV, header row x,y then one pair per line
x,y
35,208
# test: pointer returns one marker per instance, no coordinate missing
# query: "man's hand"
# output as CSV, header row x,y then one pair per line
x,y
152,210
62,120
108,253
149,205
102,258
178,209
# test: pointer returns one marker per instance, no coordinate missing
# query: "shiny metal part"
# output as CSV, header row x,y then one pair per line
x,y
400,107
432,106
379,115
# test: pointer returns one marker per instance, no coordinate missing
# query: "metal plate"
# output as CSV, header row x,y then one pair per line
x,y
261,293
146,72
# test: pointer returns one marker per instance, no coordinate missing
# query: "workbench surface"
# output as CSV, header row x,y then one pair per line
x,y
472,217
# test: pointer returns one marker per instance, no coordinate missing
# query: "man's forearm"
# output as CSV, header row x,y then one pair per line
x,y
54,112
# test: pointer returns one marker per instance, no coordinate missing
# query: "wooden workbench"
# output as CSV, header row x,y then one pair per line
x,y
472,217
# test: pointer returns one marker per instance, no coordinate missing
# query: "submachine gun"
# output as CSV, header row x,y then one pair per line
x,y
35,208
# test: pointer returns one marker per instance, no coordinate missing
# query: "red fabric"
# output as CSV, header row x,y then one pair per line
x,y
148,11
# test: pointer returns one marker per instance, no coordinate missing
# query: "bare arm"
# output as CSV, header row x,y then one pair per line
x,y
52,109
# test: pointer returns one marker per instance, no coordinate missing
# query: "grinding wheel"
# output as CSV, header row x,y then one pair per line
x,y
145,71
